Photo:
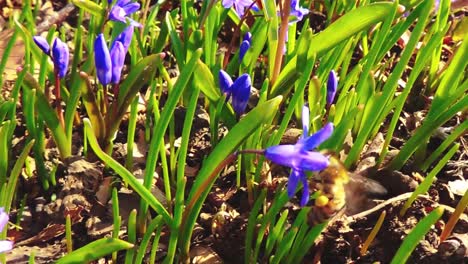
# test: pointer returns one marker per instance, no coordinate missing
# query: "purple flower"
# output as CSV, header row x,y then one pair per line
x,y
117,55
5,245
125,37
239,90
60,56
239,5
122,9
241,93
225,82
102,60
332,84
42,43
297,12
245,45
301,157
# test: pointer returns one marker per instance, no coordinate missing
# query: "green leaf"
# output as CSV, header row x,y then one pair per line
x,y
416,235
204,80
95,250
92,108
127,176
48,114
348,25
90,7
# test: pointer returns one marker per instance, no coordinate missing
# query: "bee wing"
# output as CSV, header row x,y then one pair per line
x,y
358,191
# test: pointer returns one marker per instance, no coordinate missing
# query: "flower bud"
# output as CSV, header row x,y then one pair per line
x,y
241,93
117,55
125,37
42,43
332,84
61,57
102,60
225,82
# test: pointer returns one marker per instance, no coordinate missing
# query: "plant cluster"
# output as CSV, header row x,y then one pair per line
x,y
275,72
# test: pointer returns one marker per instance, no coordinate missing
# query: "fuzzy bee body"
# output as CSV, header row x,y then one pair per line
x,y
338,189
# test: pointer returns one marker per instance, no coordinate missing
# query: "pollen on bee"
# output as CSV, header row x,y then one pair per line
x,y
321,201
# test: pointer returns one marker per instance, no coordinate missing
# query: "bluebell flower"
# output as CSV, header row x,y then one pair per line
x,y
121,11
5,245
225,82
332,84
241,93
245,45
125,37
61,57
297,12
102,60
239,90
42,43
239,5
60,54
117,55
301,157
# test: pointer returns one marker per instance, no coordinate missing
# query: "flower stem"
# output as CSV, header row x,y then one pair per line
x,y
227,55
58,99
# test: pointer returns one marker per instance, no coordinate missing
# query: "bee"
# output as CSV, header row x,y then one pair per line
x,y
337,189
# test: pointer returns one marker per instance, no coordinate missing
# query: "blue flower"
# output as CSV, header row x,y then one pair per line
x,y
61,57
245,45
239,90
297,12
125,37
122,9
60,54
5,245
332,84
42,43
239,5
102,60
301,157
117,55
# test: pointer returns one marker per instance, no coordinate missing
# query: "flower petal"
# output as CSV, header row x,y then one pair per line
x,y
292,182
42,43
102,60
117,13
125,37
305,189
227,3
3,219
282,154
332,84
241,93
117,55
131,8
305,120
225,82
318,138
5,245
60,56
245,45
309,161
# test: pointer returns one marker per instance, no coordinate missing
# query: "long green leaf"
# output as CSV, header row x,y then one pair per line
x,y
127,176
95,250
90,7
415,236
